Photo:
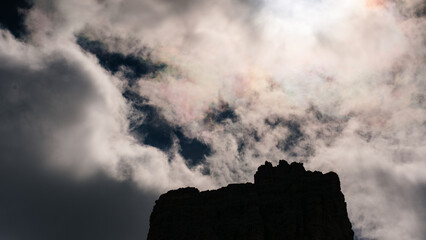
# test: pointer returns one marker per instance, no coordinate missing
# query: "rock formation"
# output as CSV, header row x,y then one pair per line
x,y
285,202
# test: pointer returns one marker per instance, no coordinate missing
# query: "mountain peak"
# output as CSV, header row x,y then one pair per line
x,y
285,202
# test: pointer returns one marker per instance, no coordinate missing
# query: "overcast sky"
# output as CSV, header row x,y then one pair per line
x,y
106,104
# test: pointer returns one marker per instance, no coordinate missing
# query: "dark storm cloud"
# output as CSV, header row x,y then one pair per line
x,y
421,190
38,204
36,100
12,16
36,201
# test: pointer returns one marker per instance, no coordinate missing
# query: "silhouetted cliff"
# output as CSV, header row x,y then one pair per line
x,y
285,202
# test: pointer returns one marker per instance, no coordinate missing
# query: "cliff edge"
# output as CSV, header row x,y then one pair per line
x,y
285,202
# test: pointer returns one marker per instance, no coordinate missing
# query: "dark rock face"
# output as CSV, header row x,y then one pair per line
x,y
285,202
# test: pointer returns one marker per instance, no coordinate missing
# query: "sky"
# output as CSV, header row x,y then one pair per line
x,y
106,104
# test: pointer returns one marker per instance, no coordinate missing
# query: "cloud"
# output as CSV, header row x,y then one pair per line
x,y
64,120
174,93
39,204
44,101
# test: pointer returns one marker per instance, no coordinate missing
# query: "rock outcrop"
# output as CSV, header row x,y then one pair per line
x,y
285,202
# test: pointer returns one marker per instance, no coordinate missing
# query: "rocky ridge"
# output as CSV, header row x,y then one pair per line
x,y
285,202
